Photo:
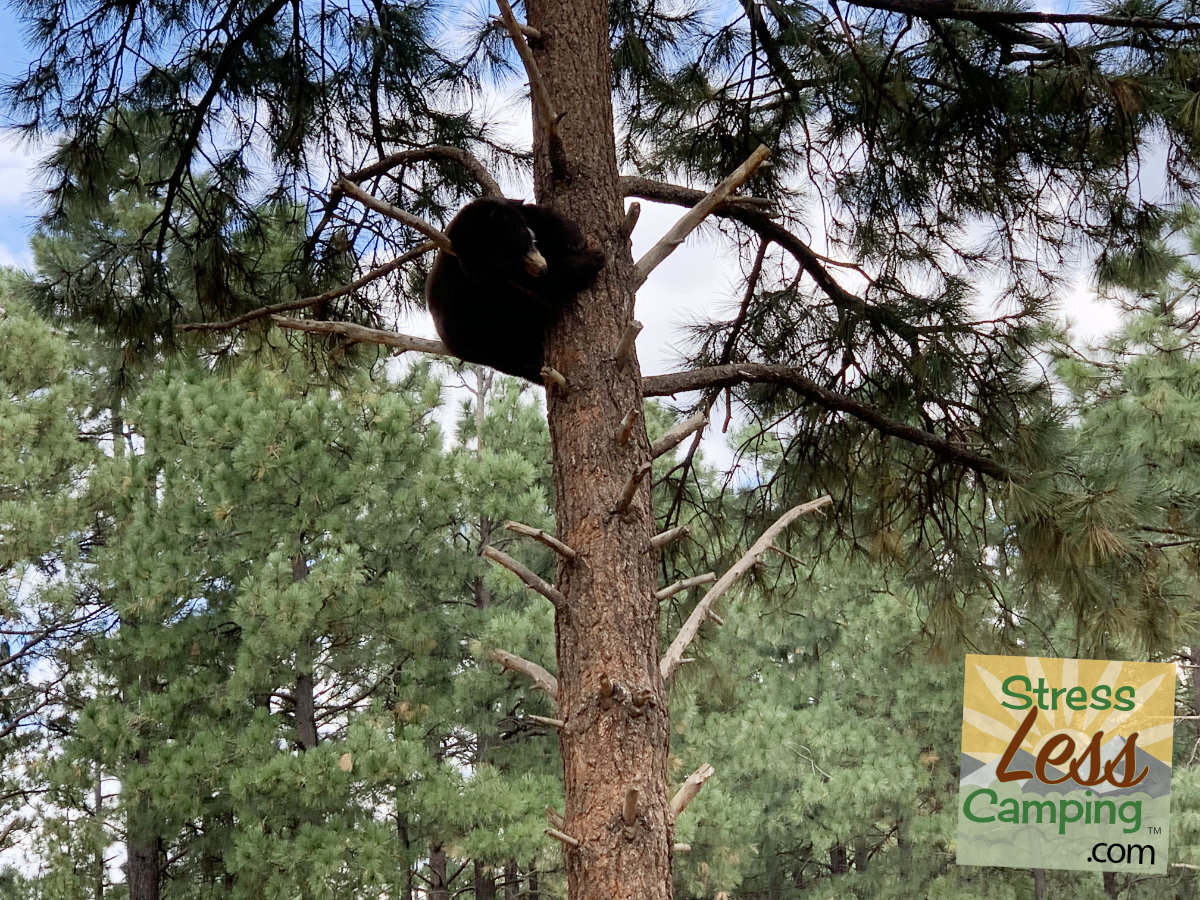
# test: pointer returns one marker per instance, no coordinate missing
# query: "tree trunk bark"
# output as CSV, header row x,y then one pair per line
x,y
439,889
485,883
98,863
142,869
141,847
610,693
305,703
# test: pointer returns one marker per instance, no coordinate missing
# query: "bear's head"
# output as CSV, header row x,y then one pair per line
x,y
492,241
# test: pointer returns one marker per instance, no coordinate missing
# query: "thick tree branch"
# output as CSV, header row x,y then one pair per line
x,y
953,9
670,661
786,376
363,335
542,680
305,302
423,154
698,213
350,189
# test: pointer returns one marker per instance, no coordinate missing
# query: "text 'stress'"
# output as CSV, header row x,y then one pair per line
x,y
1066,764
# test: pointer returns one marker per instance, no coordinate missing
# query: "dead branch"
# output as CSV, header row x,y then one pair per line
x,y
467,160
529,31
562,837
677,434
631,487
669,536
537,87
364,335
547,590
691,787
305,302
626,428
629,807
696,215
628,339
631,219
542,680
544,720
670,661
555,817
539,535
551,376
760,373
350,189
677,587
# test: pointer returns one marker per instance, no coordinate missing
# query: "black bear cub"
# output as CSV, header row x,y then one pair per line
x,y
516,266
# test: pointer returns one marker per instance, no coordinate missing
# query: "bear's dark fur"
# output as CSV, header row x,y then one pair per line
x,y
515,268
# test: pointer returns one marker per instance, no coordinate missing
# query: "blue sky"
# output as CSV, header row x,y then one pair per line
x,y
18,199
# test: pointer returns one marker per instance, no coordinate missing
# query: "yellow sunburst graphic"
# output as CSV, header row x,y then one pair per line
x,y
1074,697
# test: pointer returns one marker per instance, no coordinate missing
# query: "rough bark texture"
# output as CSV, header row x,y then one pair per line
x,y
142,849
439,885
610,693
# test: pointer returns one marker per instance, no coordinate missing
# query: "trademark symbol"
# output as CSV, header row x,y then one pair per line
x,y
1154,829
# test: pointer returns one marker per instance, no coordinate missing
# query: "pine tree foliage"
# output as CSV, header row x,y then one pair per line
x,y
48,520
275,539
833,718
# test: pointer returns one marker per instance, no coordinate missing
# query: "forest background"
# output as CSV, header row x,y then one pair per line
x,y
251,640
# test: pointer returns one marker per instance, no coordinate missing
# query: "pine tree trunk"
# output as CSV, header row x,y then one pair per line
x,y
305,702
306,706
438,888
141,846
485,883
98,863
839,860
142,869
610,692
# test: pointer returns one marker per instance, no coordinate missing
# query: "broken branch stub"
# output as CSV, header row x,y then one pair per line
x,y
690,788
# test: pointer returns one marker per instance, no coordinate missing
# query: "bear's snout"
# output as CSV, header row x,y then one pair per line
x,y
535,263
